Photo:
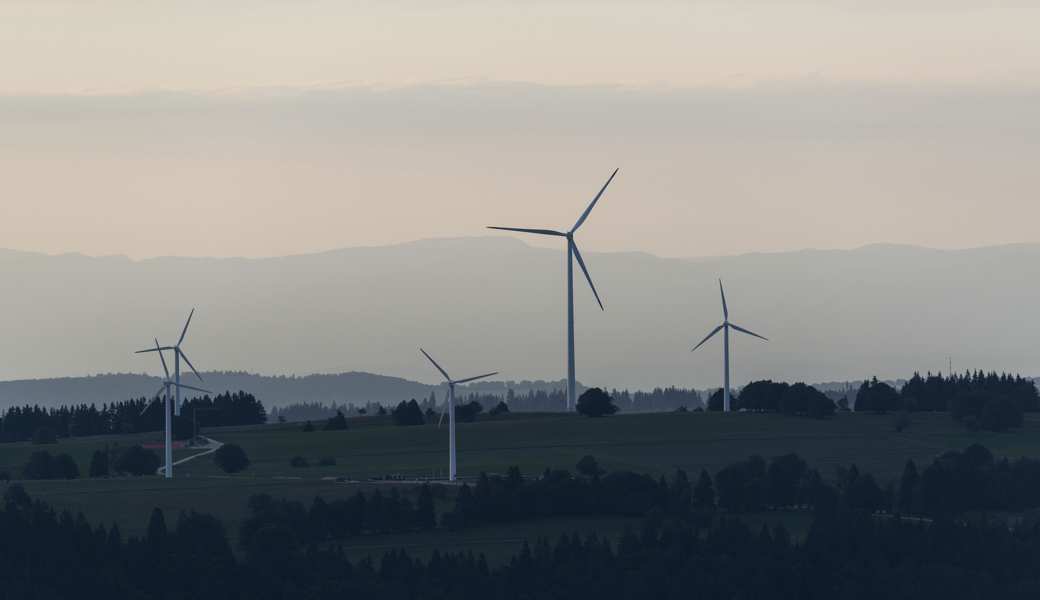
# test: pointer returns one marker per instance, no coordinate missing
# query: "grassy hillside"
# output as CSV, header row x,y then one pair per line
x,y
647,443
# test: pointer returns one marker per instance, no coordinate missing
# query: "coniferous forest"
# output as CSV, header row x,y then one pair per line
x,y
289,551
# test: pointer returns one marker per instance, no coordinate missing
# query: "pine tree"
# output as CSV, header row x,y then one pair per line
x,y
906,486
703,494
425,516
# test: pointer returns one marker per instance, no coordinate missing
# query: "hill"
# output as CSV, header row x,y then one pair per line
x,y
274,391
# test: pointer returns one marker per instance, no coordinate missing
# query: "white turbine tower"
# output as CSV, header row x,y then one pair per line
x,y
726,325
449,405
169,428
178,354
572,250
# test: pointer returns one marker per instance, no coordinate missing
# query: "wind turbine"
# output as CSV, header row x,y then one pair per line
x,y
169,429
449,405
726,325
178,354
572,250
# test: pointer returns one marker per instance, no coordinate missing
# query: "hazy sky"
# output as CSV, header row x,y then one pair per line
x,y
268,128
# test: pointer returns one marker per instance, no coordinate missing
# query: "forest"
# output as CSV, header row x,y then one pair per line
x,y
848,552
19,424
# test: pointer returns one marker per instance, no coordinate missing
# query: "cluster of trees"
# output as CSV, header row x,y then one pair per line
x,y
319,411
18,424
377,513
969,480
977,399
844,555
41,465
660,400
778,397
534,401
227,409
955,482
407,413
751,485
133,460
496,499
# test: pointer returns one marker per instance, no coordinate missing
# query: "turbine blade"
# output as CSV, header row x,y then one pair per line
x,y
189,364
154,349
538,231
154,398
163,360
581,263
589,209
185,327
725,311
447,399
747,332
436,365
189,387
714,331
477,377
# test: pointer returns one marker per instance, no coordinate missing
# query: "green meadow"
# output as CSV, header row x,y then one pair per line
x,y
656,444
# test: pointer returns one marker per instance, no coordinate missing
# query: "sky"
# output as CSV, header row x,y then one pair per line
x,y
272,128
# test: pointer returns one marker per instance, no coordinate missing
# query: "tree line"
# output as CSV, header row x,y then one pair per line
x,y
19,424
976,399
844,554
659,400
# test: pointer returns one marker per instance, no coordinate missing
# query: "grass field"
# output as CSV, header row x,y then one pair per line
x,y
647,443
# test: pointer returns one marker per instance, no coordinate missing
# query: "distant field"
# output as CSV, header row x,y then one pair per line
x,y
647,443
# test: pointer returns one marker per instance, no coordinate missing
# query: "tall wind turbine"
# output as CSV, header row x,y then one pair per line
x,y
178,354
449,405
169,429
726,325
572,250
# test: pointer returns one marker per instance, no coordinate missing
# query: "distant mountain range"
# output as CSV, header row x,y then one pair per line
x,y
496,304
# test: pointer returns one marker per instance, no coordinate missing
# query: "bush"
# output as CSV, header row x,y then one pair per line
x,y
136,461
328,461
971,424
307,427
230,458
500,408
5,475
297,462
44,435
596,403
40,466
408,413
336,423
382,411
98,464
65,467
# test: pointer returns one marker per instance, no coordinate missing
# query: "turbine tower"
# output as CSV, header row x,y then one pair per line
x,y
178,354
572,250
169,429
726,325
449,405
